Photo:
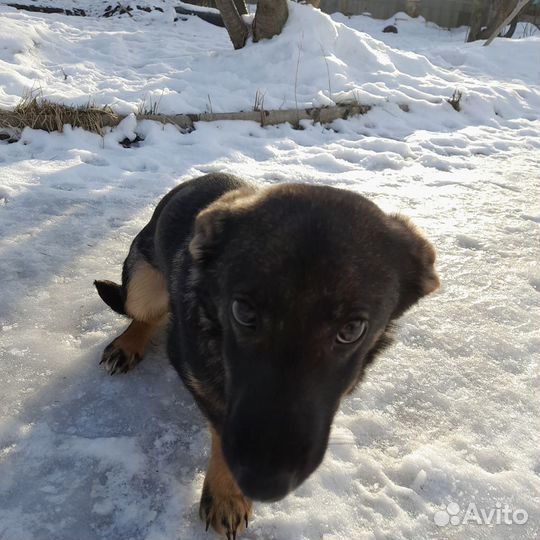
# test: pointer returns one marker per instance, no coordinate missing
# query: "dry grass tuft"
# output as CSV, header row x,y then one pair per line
x,y
39,113
455,100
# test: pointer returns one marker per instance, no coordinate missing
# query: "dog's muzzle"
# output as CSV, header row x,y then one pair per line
x,y
264,487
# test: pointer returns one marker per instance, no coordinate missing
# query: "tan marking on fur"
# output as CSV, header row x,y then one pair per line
x,y
430,281
137,336
147,296
228,502
424,252
193,383
127,350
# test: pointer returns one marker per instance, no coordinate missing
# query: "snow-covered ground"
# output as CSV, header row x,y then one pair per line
x,y
448,415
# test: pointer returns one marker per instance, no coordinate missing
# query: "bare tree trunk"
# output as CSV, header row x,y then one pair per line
x,y
498,10
488,19
508,19
232,19
412,8
241,7
478,17
270,18
512,28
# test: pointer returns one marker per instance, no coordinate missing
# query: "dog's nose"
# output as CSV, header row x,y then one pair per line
x,y
263,486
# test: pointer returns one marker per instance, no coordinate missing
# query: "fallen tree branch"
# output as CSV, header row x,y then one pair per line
x,y
46,9
110,10
206,15
323,115
41,114
209,15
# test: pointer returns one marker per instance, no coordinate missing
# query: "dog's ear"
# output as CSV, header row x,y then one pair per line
x,y
210,222
416,264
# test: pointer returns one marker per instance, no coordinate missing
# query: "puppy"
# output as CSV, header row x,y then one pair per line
x,y
278,298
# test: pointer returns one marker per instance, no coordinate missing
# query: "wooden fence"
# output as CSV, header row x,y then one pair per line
x,y
445,13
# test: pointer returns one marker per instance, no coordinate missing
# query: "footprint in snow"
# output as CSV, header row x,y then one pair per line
x,y
141,166
467,242
94,159
65,187
534,282
5,194
528,217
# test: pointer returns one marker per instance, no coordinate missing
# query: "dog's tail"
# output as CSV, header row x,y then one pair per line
x,y
112,294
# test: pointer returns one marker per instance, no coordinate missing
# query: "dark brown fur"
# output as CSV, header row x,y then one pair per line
x,y
265,288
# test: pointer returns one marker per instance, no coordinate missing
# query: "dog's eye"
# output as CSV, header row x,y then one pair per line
x,y
244,313
352,332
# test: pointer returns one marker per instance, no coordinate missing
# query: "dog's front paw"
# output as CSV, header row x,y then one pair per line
x,y
118,359
227,512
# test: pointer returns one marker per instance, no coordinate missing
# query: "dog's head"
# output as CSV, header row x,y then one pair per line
x,y
304,282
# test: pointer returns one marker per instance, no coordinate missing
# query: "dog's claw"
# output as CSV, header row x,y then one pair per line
x,y
246,520
117,360
226,514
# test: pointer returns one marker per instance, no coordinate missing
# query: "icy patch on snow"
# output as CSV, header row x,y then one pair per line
x,y
436,421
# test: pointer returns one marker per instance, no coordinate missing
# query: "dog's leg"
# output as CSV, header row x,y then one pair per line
x,y
222,503
147,303
127,350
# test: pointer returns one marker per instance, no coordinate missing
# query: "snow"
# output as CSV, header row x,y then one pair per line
x,y
448,415
190,66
